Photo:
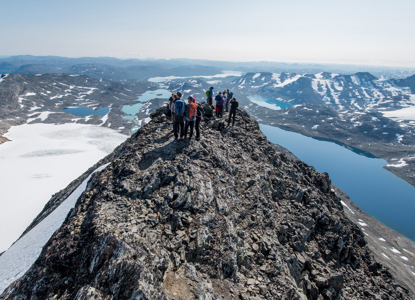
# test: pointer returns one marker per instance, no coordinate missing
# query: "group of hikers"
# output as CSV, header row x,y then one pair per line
x,y
187,117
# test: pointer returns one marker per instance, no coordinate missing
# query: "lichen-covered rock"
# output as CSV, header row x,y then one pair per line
x,y
224,218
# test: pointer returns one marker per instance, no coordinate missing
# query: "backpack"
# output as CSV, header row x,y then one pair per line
x,y
191,113
179,108
230,95
199,111
208,93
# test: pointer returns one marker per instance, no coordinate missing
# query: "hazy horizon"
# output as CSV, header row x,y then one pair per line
x,y
374,33
227,61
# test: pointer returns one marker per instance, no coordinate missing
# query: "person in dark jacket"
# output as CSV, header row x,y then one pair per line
x,y
199,114
178,119
229,96
218,100
234,105
171,100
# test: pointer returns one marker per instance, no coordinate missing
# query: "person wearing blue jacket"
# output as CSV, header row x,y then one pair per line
x,y
218,100
210,96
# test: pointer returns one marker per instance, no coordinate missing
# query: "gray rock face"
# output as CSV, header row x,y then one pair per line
x,y
225,218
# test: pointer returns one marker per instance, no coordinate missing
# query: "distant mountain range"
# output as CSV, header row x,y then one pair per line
x,y
360,91
107,68
114,69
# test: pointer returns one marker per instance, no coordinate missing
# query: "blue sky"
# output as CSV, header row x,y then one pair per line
x,y
359,32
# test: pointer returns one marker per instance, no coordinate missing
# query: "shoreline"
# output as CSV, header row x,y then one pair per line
x,y
392,249
403,172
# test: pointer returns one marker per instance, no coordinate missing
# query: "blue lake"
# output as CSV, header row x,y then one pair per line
x,y
82,111
379,193
132,110
269,102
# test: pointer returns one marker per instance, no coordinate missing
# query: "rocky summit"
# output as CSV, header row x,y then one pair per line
x,y
227,217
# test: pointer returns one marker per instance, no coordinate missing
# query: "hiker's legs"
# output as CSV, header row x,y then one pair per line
x,y
181,128
191,125
232,113
227,105
197,128
186,126
175,129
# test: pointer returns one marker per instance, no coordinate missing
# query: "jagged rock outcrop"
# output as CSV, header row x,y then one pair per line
x,y
224,218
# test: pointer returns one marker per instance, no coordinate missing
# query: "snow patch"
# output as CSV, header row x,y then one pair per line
x,y
382,239
408,252
402,163
22,254
105,118
345,205
405,114
395,251
385,256
361,223
287,81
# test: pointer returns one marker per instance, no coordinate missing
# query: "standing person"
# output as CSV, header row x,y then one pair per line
x,y
229,96
191,112
172,107
221,105
178,120
171,100
218,98
209,94
234,105
199,114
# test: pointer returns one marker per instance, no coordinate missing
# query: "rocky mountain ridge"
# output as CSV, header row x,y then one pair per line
x,y
357,111
226,217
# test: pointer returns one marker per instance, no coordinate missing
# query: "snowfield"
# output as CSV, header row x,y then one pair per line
x,y
40,160
22,254
407,113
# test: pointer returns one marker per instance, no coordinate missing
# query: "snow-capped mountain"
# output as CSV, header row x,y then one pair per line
x,y
360,91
